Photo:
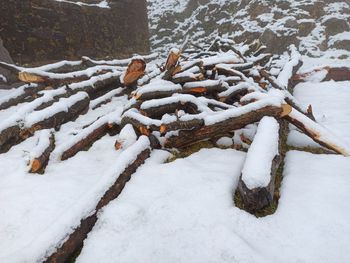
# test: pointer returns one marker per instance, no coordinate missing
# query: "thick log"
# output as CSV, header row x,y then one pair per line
x,y
317,132
242,117
51,117
204,87
85,139
74,241
143,124
256,185
25,93
181,125
39,160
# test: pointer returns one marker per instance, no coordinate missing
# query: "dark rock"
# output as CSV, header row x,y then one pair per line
x,y
39,31
342,44
335,26
275,43
5,57
305,28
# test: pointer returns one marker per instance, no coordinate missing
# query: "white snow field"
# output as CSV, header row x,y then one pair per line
x,y
183,212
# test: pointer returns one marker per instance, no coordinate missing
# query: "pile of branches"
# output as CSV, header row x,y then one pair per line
x,y
226,90
231,94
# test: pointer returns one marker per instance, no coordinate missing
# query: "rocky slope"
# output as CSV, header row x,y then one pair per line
x,y
315,26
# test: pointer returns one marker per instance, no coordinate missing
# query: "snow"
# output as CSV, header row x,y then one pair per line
x,y
16,92
203,83
127,136
136,115
287,70
43,142
235,112
158,85
224,142
107,96
62,105
228,57
329,102
184,212
102,4
39,212
256,171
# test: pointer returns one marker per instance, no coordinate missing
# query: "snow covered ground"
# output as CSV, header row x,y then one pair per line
x,y
183,212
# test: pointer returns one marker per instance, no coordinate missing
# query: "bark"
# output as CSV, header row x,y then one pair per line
x,y
93,136
29,93
258,198
39,163
186,138
136,69
158,111
317,132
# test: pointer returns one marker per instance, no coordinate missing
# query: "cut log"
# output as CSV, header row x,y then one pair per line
x,y
84,138
25,93
41,153
257,182
157,89
127,164
204,87
136,69
144,125
220,123
317,132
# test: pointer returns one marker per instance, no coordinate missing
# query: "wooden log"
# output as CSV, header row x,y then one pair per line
x,y
25,93
317,132
136,69
256,185
241,117
204,87
289,98
38,76
84,139
41,153
144,125
74,241
181,125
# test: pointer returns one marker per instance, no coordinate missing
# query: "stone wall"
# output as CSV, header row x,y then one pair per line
x,y
46,30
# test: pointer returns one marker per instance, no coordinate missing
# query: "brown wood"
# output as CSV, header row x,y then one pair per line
x,y
93,136
39,163
136,69
313,134
186,138
261,197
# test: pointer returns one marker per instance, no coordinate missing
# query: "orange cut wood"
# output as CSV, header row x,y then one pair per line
x,y
135,70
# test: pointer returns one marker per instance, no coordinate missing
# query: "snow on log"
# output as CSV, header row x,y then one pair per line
x,y
115,62
229,57
317,132
126,137
85,138
94,104
125,165
157,89
136,69
233,93
290,68
98,84
257,182
158,107
21,94
204,87
143,124
40,155
38,76
220,123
